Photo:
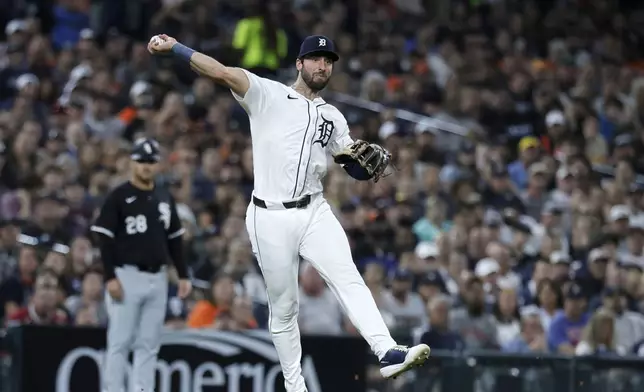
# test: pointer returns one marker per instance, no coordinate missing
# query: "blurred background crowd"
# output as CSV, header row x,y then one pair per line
x,y
498,229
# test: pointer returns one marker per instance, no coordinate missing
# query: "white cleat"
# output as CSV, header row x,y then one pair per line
x,y
400,359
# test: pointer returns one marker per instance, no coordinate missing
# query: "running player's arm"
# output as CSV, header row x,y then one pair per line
x,y
175,242
106,228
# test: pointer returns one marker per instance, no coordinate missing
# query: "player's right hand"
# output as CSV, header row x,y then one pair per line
x,y
161,44
115,290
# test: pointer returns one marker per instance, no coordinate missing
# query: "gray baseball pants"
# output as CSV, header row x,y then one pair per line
x,y
135,324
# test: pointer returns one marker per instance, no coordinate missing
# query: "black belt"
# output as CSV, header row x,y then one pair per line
x,y
152,269
300,203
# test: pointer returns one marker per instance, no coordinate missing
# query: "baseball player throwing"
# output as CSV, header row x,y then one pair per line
x,y
293,132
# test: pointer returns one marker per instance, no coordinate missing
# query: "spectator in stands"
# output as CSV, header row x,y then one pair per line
x,y
599,335
434,222
431,285
87,316
242,313
501,255
16,290
487,270
463,168
320,312
91,296
56,262
506,312
44,306
374,277
630,279
566,328
532,338
224,322
402,303
472,322
529,153
535,193
635,237
456,268
262,43
628,325
560,262
499,194
634,202
9,230
549,299
221,295
437,333
81,257
594,278
552,222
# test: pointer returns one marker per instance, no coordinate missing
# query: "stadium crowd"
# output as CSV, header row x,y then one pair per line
x,y
504,238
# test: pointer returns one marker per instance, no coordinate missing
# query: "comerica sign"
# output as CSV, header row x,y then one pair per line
x,y
71,360
231,378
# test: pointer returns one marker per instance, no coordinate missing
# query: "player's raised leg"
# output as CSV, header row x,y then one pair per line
x,y
275,243
326,247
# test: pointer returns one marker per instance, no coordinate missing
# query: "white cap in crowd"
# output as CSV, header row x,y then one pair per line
x,y
486,267
619,212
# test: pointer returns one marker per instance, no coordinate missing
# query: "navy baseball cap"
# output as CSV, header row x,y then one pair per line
x,y
402,274
318,44
432,278
146,151
575,291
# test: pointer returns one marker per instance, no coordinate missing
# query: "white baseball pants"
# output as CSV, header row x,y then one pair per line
x,y
279,238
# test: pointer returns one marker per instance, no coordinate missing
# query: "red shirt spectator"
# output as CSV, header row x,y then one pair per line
x,y
29,315
43,308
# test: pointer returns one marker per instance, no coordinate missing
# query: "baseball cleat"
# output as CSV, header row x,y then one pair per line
x,y
400,359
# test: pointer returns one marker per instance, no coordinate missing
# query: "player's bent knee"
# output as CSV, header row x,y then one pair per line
x,y
284,318
282,326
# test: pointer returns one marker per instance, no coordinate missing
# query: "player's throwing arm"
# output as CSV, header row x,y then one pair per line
x,y
233,78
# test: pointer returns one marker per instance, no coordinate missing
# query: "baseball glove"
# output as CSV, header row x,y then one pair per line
x,y
364,161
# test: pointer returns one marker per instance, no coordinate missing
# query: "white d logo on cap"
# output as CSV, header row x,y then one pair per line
x,y
322,42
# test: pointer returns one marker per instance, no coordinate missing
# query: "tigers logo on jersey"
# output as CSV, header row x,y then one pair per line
x,y
325,131
164,210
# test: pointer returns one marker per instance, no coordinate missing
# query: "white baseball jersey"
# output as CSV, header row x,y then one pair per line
x,y
292,136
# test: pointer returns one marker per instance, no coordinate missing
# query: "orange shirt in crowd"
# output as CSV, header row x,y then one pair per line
x,y
203,314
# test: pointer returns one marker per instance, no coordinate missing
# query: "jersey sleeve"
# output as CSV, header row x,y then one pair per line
x,y
176,229
175,242
258,96
107,222
340,139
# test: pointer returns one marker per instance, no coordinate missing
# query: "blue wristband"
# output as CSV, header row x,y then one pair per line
x,y
182,51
